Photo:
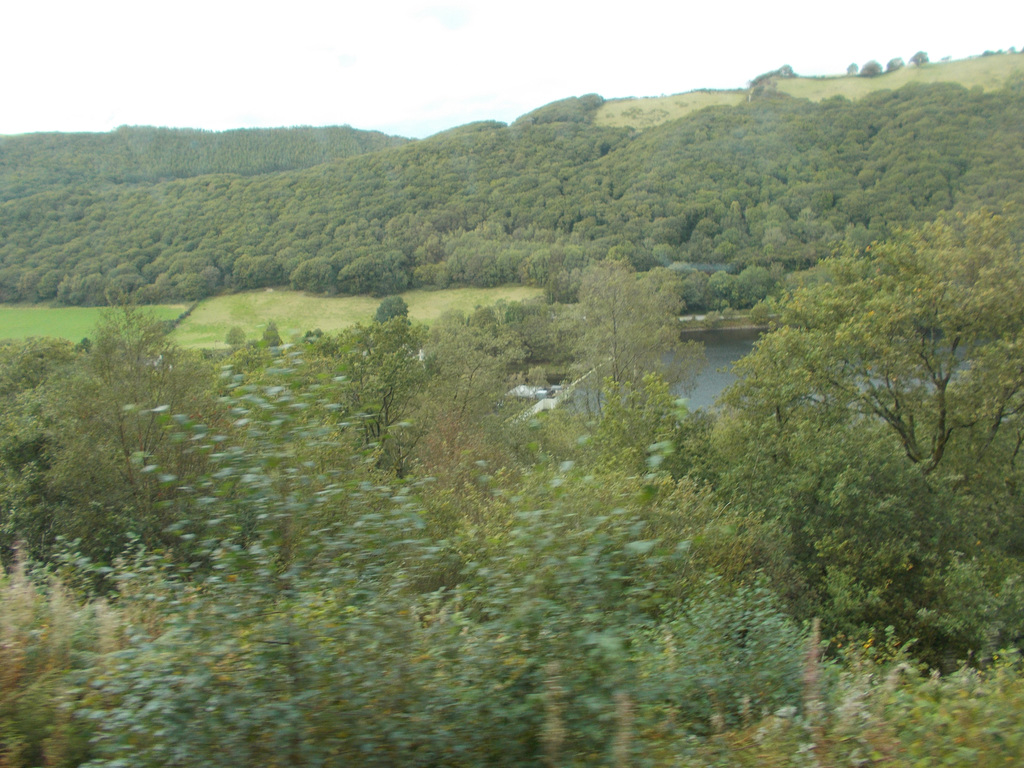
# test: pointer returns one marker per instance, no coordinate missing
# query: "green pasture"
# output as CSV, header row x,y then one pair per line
x,y
986,72
296,312
646,113
20,321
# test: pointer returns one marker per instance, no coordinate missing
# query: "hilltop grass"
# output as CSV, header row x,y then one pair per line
x,y
20,321
986,72
648,112
296,312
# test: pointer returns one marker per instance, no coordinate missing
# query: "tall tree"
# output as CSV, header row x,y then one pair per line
x,y
391,306
877,432
384,382
474,360
90,439
925,334
629,327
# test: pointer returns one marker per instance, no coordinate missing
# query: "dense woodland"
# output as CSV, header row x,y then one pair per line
x,y
775,184
359,548
46,162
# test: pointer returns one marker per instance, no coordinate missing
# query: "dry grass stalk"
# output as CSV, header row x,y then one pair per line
x,y
623,730
553,737
813,703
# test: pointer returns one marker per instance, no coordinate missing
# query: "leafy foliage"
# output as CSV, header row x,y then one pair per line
x,y
355,548
392,306
871,69
38,162
630,327
348,553
880,428
775,181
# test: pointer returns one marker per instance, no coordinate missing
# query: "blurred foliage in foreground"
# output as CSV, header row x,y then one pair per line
x,y
358,548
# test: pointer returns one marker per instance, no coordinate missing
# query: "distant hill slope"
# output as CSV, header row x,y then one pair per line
x,y
987,72
40,162
774,182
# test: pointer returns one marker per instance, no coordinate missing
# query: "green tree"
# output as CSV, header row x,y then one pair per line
x,y
383,387
879,428
235,337
919,59
894,64
696,292
752,285
105,460
271,336
871,69
30,373
391,306
629,327
473,361
315,275
923,335
637,427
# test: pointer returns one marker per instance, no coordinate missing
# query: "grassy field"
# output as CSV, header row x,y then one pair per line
x,y
295,313
987,72
646,113
19,321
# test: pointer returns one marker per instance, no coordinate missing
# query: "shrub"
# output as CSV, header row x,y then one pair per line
x,y
392,306
871,69
47,639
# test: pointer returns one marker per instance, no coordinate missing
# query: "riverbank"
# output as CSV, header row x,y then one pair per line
x,y
728,320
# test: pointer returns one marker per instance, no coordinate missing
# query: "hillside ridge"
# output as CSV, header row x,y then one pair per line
x,y
774,183
989,72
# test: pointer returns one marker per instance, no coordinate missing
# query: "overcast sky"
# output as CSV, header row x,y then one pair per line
x,y
414,68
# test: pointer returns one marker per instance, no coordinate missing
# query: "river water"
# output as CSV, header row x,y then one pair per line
x,y
723,347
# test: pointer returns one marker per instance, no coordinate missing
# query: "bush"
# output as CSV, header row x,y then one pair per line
x,y
47,639
235,337
305,638
871,69
392,306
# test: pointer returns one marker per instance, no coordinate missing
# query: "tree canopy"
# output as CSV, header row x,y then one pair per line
x,y
923,333
630,326
777,181
879,428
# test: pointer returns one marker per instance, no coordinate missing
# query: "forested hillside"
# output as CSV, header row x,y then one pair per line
x,y
774,184
40,162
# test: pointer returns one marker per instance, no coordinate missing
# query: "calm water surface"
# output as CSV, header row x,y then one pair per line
x,y
723,347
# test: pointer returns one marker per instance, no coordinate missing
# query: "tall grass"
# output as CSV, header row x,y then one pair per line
x,y
47,638
858,713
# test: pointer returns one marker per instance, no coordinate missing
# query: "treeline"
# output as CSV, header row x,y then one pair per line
x,y
42,162
775,184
